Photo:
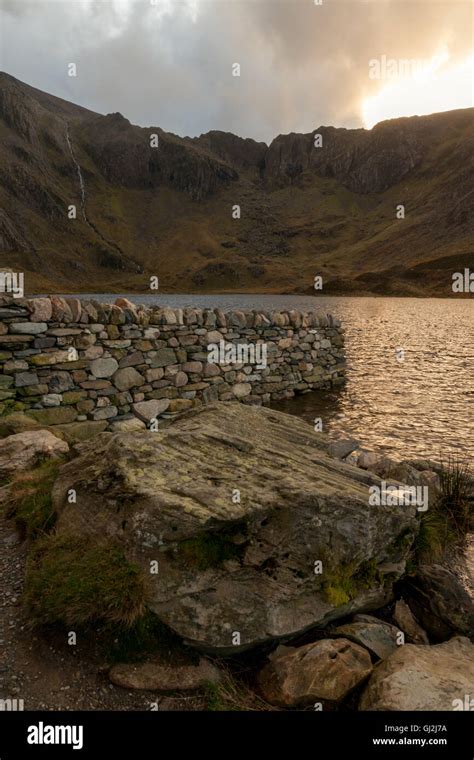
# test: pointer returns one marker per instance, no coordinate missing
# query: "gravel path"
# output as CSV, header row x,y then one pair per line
x,y
44,671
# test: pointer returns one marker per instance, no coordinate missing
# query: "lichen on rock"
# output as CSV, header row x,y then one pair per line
x,y
236,505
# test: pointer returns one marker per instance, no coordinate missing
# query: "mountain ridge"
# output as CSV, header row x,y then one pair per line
x,y
167,211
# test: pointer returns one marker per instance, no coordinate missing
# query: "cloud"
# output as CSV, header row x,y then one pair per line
x,y
169,63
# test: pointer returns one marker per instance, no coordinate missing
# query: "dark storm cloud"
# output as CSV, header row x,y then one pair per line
x,y
169,63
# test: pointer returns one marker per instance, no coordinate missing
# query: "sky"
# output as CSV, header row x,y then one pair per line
x,y
303,63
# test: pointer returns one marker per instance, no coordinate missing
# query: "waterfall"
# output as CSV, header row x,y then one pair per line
x,y
108,243
79,174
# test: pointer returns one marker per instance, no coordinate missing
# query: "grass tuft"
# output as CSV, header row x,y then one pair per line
x,y
233,694
29,500
455,492
74,581
450,518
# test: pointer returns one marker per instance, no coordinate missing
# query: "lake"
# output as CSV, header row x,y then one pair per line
x,y
410,373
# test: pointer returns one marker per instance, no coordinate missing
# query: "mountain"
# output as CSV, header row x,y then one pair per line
x,y
167,210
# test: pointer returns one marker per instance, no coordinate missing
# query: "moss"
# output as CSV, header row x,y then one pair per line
x,y
210,549
11,405
336,594
337,584
75,581
29,501
346,582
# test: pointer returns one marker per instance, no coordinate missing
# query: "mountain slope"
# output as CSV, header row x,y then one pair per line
x,y
167,210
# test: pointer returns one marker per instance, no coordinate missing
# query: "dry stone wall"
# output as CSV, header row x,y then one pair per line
x,y
66,360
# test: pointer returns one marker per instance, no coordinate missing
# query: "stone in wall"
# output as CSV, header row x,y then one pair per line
x,y
68,360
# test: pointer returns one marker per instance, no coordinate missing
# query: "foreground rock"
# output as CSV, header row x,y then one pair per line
x,y
379,638
237,504
423,678
156,676
325,670
24,450
440,602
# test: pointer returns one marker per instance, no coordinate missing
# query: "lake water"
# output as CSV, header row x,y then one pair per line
x,y
410,373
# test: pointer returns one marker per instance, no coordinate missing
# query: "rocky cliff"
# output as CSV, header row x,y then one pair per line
x,y
151,203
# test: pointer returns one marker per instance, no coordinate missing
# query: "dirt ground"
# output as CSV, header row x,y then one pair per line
x,y
45,671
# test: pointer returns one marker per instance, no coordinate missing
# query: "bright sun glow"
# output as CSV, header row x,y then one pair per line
x,y
439,87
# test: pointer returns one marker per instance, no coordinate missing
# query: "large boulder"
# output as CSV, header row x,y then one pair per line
x,y
257,532
423,678
325,670
24,450
440,602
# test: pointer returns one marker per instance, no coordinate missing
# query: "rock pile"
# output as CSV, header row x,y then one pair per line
x,y
249,532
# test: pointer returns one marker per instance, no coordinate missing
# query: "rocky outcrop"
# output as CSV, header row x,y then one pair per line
x,y
439,677
17,108
257,532
126,157
363,161
235,151
440,602
326,670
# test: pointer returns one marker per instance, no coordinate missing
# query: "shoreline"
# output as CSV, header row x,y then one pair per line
x,y
210,293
